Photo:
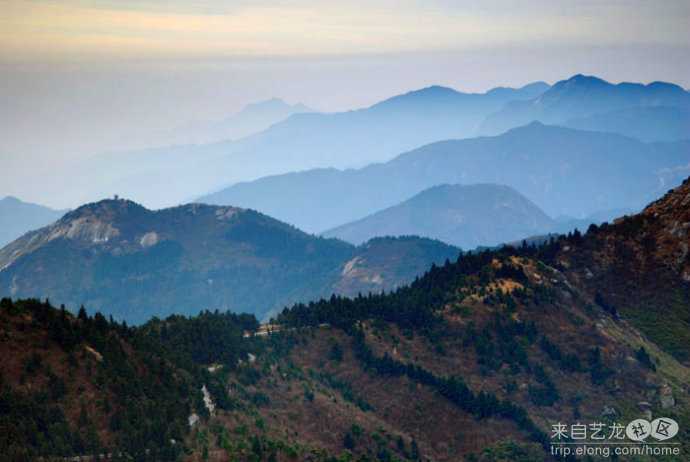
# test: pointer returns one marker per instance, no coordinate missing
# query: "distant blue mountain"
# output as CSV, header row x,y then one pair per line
x,y
563,171
18,217
623,108
252,119
304,141
465,216
379,132
647,123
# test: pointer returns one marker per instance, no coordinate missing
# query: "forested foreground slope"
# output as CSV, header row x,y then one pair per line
x,y
476,360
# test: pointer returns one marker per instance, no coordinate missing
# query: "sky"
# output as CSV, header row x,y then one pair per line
x,y
80,78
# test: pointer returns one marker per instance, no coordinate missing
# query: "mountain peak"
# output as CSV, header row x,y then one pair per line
x,y
582,80
538,85
674,204
10,200
533,89
533,126
141,262
435,89
434,93
665,86
466,216
109,206
274,105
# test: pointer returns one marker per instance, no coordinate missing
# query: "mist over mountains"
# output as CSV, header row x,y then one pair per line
x,y
353,139
651,123
563,171
252,119
464,216
303,141
586,96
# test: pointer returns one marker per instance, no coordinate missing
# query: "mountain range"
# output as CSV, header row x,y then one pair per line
x,y
464,216
18,217
590,102
502,344
352,139
133,263
563,171
302,141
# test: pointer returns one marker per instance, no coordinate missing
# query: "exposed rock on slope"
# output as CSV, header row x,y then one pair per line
x,y
133,263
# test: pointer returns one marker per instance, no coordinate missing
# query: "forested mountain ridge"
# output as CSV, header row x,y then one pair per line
x,y
605,313
123,259
501,344
639,267
73,385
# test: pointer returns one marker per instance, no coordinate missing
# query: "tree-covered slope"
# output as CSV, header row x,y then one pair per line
x,y
475,360
133,263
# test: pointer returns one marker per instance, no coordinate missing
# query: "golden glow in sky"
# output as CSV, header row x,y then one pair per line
x,y
102,28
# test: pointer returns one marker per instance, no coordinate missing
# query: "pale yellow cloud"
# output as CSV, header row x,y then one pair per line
x,y
44,29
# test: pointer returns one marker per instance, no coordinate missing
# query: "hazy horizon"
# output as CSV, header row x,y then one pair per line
x,y
84,78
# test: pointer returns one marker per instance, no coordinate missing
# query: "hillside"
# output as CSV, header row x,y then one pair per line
x,y
386,263
640,268
464,216
82,385
563,171
617,107
476,360
18,217
302,141
585,328
133,263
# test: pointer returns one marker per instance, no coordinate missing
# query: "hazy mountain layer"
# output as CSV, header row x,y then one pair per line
x,y
624,108
302,141
252,119
563,171
464,216
653,123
